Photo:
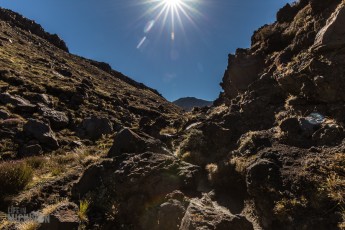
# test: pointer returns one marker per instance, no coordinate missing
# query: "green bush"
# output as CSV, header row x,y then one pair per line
x,y
14,176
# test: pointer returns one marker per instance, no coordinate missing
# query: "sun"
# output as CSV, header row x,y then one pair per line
x,y
169,14
173,3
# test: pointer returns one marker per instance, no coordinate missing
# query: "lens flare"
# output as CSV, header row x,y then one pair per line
x,y
172,3
169,13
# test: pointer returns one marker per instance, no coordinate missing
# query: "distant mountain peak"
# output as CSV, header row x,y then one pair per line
x,y
187,103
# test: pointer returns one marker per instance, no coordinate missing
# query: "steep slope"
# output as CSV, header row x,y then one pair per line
x,y
187,103
59,112
40,80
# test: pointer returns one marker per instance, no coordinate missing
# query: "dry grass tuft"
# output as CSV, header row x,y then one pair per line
x,y
83,209
286,206
212,170
28,225
14,176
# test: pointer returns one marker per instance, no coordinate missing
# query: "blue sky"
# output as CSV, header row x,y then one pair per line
x,y
125,34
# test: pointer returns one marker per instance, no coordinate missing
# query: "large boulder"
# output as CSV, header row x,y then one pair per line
x,y
42,132
329,134
171,212
19,103
95,127
57,119
262,176
137,185
205,214
10,127
127,141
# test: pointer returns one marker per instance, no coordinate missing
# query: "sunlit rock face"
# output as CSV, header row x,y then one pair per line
x,y
243,69
332,35
289,51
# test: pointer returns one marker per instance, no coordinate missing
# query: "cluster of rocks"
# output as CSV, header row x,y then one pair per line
x,y
151,189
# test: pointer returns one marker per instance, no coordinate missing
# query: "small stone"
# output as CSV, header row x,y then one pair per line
x,y
4,115
30,150
64,216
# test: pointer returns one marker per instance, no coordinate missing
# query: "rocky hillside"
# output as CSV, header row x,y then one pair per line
x,y
58,112
89,148
45,88
188,103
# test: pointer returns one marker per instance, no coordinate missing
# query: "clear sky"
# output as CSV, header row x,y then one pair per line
x,y
184,58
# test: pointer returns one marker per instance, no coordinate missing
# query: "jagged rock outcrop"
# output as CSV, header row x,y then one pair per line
x,y
26,24
288,102
241,64
277,51
331,36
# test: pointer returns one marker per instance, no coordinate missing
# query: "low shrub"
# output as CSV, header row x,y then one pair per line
x,y
14,176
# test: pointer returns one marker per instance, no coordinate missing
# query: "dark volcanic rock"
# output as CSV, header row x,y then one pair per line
x,y
57,119
4,114
30,150
331,36
95,127
263,176
243,69
127,141
132,181
171,212
205,214
263,181
270,157
63,217
42,132
19,103
329,134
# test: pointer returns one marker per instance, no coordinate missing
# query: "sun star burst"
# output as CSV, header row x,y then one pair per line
x,y
172,3
169,13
